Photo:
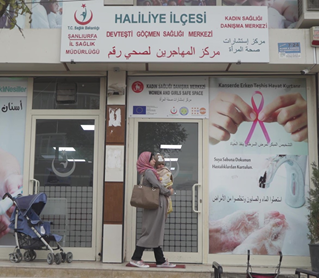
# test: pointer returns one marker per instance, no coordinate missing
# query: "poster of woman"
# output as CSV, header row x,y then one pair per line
x,y
13,103
46,14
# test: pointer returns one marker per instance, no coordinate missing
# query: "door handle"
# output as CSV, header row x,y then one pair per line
x,y
193,200
36,185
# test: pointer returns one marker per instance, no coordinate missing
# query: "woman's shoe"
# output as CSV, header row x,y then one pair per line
x,y
139,264
166,264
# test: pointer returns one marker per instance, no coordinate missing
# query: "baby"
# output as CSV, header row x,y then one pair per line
x,y
166,177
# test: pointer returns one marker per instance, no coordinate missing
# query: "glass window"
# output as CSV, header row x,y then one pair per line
x,y
64,167
66,93
178,142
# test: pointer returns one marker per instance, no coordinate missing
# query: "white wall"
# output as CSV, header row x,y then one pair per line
x,y
39,50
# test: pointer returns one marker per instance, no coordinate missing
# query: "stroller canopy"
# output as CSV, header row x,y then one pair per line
x,y
36,202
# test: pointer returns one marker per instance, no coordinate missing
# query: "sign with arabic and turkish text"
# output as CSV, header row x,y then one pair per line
x,y
174,97
94,33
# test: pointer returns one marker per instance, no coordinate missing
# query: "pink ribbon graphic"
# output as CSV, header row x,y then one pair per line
x,y
257,110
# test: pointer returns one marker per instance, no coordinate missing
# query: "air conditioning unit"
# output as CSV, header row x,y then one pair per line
x,y
66,93
313,5
308,13
116,80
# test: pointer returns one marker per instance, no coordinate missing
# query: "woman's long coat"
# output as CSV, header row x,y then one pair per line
x,y
153,221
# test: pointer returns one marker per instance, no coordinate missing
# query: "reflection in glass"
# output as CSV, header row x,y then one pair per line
x,y
64,167
87,94
313,4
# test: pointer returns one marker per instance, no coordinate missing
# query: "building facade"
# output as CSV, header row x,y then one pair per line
x,y
227,92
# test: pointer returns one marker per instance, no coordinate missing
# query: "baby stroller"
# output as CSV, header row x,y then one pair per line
x,y
31,233
218,269
251,274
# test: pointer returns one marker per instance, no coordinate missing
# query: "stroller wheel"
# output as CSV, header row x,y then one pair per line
x,y
33,255
63,256
50,258
11,257
15,257
69,257
19,256
27,256
58,258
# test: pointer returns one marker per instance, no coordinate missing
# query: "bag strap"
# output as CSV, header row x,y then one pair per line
x,y
141,183
142,179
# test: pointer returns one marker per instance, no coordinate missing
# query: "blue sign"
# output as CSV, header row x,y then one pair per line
x,y
289,50
141,110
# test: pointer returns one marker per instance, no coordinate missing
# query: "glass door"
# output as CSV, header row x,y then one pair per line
x,y
181,144
63,166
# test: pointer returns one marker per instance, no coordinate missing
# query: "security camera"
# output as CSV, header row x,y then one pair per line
x,y
305,71
114,89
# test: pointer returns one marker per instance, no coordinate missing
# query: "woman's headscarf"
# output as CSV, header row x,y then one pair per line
x,y
143,163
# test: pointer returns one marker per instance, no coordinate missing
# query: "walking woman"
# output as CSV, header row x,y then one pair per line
x,y
153,221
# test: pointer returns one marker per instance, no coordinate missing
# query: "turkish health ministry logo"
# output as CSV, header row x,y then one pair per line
x,y
173,110
66,172
137,87
84,15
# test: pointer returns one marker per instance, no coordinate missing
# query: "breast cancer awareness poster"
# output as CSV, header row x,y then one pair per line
x,y
258,166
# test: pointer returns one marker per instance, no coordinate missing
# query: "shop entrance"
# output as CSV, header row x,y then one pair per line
x,y
63,164
181,143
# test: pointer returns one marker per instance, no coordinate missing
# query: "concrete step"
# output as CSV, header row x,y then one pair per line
x,y
83,269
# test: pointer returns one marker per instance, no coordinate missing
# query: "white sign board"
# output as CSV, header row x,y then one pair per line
x,y
172,97
205,34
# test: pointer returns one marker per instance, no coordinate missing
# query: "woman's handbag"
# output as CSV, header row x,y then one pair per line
x,y
145,197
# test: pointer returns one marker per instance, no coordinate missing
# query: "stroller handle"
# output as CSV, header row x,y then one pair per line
x,y
7,201
7,195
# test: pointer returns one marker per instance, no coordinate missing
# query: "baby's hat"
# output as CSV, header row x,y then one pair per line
x,y
159,158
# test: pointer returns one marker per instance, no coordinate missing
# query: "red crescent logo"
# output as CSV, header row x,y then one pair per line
x,y
84,22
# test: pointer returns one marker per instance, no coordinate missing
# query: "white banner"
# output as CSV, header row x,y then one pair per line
x,y
94,33
172,97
